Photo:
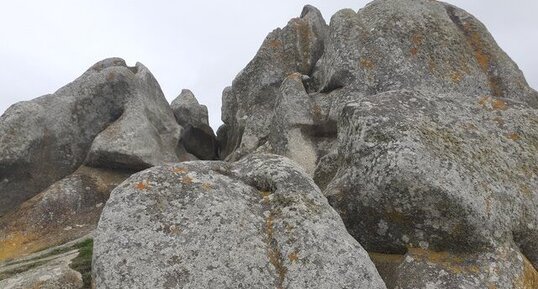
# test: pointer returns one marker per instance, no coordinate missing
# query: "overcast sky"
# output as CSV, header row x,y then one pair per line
x,y
200,45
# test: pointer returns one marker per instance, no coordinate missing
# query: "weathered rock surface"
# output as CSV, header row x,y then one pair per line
x,y
67,210
257,223
198,137
111,116
438,149
439,172
503,267
417,44
248,104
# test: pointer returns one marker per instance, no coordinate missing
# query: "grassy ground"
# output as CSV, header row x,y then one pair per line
x,y
83,262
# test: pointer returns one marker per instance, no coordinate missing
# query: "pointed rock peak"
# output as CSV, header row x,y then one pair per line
x,y
309,9
109,62
186,98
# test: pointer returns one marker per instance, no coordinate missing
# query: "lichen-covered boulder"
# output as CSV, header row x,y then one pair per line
x,y
112,116
198,137
438,172
257,223
417,44
247,106
503,267
388,45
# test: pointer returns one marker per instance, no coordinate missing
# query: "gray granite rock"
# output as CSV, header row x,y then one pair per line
x,y
198,137
65,211
438,172
248,104
257,223
417,44
503,267
111,116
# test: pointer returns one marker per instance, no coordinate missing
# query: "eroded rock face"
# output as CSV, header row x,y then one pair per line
x,y
436,127
112,116
257,223
438,172
198,137
67,210
248,104
389,45
503,267
423,45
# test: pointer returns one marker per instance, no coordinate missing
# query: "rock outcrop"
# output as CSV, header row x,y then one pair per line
x,y
247,106
257,223
442,173
411,134
198,137
112,116
420,130
62,154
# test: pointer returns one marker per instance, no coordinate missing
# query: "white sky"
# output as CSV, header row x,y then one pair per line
x,y
200,45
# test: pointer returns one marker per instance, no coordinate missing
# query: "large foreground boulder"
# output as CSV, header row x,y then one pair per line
x,y
112,116
257,223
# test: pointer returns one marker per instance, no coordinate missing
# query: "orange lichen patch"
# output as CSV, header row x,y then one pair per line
x,y
484,100
526,191
265,196
432,66
141,185
448,261
180,170
493,103
456,77
529,278
499,120
513,136
275,43
186,180
110,76
482,56
18,244
366,63
499,104
207,186
416,40
293,256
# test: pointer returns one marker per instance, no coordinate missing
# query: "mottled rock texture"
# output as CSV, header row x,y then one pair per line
x,y
198,137
62,154
67,210
257,223
112,116
247,106
443,173
420,130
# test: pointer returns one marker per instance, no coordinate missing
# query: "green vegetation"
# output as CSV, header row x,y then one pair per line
x,y
83,262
